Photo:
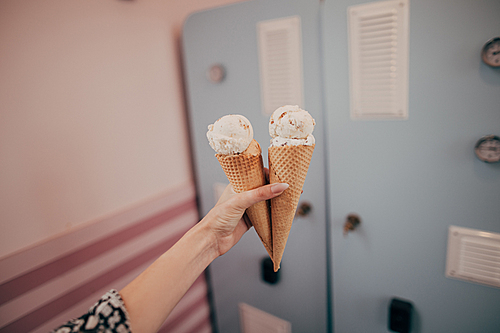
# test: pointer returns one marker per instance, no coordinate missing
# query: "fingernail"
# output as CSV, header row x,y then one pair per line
x,y
278,188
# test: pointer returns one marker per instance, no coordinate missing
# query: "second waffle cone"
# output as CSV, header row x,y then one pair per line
x,y
287,164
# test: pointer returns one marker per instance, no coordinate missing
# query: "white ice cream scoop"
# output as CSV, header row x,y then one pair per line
x,y
291,125
230,134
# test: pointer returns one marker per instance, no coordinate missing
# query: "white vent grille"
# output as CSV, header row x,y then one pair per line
x,y
473,255
254,320
280,60
378,60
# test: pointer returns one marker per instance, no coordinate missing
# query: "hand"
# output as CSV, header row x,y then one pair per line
x,y
226,220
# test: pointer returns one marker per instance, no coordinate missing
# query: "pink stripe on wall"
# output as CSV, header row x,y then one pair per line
x,y
32,279
21,307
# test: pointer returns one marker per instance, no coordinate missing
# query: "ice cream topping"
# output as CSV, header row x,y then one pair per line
x,y
291,126
230,134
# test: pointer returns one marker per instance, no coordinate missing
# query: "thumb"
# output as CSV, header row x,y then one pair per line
x,y
246,199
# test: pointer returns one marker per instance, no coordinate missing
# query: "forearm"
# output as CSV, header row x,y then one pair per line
x,y
150,298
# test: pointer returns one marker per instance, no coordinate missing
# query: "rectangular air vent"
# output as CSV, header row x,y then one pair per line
x,y
378,59
473,255
254,320
280,62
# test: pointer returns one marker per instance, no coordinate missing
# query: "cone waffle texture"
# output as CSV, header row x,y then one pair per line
x,y
246,172
287,164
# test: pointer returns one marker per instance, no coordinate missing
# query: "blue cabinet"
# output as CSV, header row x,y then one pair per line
x,y
408,180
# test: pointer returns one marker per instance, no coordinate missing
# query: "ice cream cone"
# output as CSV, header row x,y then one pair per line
x,y
245,172
287,164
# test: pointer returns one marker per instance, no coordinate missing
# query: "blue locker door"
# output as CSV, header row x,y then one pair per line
x,y
228,36
410,180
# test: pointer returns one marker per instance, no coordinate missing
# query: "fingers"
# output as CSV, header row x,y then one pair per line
x,y
246,199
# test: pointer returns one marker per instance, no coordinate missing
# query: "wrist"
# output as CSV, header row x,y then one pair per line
x,y
207,239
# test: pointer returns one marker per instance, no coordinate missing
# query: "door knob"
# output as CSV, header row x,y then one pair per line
x,y
304,209
351,223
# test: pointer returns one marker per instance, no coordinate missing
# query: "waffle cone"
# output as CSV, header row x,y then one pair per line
x,y
245,172
287,164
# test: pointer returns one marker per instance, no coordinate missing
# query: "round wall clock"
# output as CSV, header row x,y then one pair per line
x,y
488,149
491,52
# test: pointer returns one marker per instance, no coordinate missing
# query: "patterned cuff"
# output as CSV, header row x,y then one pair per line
x,y
107,315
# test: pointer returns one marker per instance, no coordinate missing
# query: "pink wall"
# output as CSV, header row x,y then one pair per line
x,y
95,174
92,117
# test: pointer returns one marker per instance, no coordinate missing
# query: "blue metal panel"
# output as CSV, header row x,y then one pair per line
x,y
228,36
409,180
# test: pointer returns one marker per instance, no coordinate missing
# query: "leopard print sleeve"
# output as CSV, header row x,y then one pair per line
x,y
107,315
